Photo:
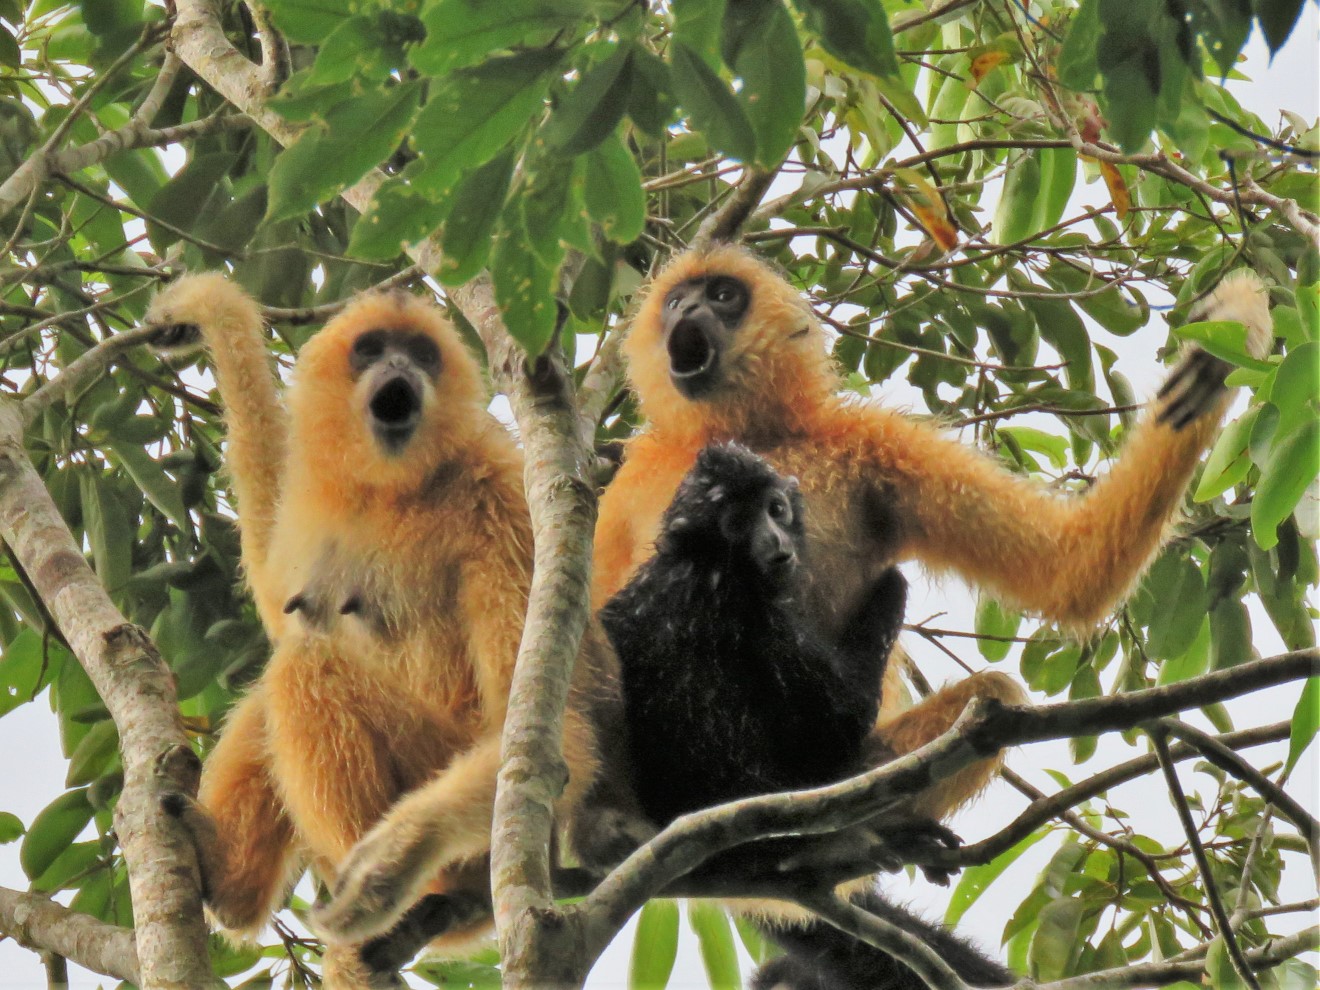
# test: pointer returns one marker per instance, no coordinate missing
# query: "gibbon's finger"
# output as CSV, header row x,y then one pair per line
x,y
202,829
433,915
1193,389
384,874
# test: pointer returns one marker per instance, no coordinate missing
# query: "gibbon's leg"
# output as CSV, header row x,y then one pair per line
x,y
211,309
243,835
442,823
934,716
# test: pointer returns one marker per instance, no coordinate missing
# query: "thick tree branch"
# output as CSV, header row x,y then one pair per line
x,y
138,691
724,223
36,922
83,371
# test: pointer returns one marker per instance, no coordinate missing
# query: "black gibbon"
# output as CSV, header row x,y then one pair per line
x,y
386,539
730,692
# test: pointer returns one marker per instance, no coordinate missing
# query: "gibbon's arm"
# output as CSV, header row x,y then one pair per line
x,y
493,604
229,323
1069,559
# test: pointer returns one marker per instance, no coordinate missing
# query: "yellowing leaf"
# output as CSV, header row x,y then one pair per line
x,y
928,206
983,63
1118,190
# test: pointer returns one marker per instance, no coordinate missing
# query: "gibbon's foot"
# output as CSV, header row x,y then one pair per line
x,y
1193,388
177,336
381,878
203,831
886,847
433,915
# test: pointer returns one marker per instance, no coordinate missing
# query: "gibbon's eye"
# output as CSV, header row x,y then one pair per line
x,y
778,509
424,353
725,291
673,303
369,346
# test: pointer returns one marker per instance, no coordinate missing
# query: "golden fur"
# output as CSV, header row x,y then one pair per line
x,y
881,487
352,715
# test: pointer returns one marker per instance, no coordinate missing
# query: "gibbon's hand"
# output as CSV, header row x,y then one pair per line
x,y
1193,389
887,847
381,878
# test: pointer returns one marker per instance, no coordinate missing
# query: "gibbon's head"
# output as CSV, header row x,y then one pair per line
x,y
734,512
722,343
385,392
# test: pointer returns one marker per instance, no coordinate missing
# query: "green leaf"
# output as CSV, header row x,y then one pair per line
x,y
475,114
1292,466
357,135
1230,634
854,31
179,201
1192,662
1056,944
614,196
460,33
976,880
51,832
697,25
91,756
108,531
711,105
397,216
761,46
1277,19
1179,592
1225,339
10,828
1229,460
23,670
355,49
308,22
593,108
1077,66
477,200
651,101
524,287
993,620
1296,388
1305,720
161,490
715,939
655,946
10,54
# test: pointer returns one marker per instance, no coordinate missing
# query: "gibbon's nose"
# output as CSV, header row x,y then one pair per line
x,y
396,403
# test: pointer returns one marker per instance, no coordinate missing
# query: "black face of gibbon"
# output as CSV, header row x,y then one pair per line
x,y
700,315
398,366
730,690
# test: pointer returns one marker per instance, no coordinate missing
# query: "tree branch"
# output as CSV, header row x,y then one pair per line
x,y
38,923
138,690
82,371
724,223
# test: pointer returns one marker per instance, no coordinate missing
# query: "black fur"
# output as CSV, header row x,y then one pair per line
x,y
730,692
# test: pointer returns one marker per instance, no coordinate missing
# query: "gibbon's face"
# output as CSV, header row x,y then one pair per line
x,y
767,530
722,340
700,318
395,372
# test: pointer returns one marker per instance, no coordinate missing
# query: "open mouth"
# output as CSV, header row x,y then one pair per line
x,y
690,351
395,409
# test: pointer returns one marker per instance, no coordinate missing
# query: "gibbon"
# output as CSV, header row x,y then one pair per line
x,y
729,692
722,348
386,539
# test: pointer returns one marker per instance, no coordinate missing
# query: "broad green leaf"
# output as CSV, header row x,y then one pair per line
x,y
710,104
1296,388
760,45
1229,460
1077,66
1292,466
461,33
69,867
9,51
697,25
477,200
89,760
524,287
854,31
976,880
356,49
23,670
651,100
1015,216
474,114
108,531
1062,329
1178,588
10,828
180,201
397,216
1305,720
308,22
993,620
655,945
1277,19
715,939
1056,944
1191,662
754,940
1225,339
50,833
1230,635
163,492
356,136
591,110
614,195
